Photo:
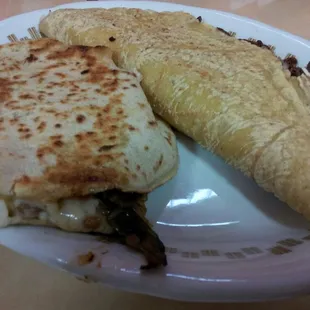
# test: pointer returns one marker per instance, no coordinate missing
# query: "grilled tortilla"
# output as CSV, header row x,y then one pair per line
x,y
73,125
230,96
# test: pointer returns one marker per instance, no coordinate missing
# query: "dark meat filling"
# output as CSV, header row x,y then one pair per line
x,y
224,31
290,62
125,213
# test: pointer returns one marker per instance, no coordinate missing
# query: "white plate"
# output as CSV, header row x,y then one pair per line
x,y
227,240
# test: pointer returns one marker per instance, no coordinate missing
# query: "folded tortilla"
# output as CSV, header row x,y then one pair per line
x,y
230,96
72,124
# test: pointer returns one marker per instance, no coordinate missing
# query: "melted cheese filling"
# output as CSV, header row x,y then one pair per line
x,y
76,214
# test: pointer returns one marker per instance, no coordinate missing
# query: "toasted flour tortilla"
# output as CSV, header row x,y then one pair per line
x,y
232,97
72,124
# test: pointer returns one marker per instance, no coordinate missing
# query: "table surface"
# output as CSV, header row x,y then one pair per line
x,y
26,284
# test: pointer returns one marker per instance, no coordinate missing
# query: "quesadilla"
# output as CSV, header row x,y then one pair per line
x,y
80,146
232,97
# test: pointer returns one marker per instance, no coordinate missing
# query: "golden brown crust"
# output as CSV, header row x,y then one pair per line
x,y
71,122
230,96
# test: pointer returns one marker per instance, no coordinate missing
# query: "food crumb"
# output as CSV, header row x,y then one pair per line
x,y
85,259
112,39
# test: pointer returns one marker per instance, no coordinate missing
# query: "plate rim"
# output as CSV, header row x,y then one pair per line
x,y
142,2
180,6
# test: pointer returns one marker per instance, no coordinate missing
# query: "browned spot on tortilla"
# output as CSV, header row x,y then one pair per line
x,y
99,74
58,143
13,67
110,85
90,60
42,151
61,75
80,118
78,137
25,179
77,176
108,157
26,137
120,111
39,155
106,148
152,123
56,137
203,74
57,84
23,129
52,111
158,163
41,126
40,46
169,139
63,115
41,97
116,99
107,109
13,121
69,52
131,128
96,142
5,89
138,167
97,162
39,74
54,66
11,103
134,85
31,58
142,105
146,148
